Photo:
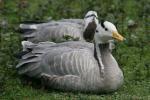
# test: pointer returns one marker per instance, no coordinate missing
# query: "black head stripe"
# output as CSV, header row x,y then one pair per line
x,y
102,24
92,15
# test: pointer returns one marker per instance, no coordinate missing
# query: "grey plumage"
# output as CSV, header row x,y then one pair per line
x,y
53,30
72,66
81,29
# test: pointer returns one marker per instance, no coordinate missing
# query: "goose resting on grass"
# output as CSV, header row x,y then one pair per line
x,y
75,65
56,30
77,29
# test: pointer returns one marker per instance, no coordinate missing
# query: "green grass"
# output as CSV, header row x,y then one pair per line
x,y
132,55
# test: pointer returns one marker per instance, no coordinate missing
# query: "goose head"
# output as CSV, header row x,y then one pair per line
x,y
91,22
91,16
107,31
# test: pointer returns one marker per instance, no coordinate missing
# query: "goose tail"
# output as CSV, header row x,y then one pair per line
x,y
30,25
27,45
29,61
26,48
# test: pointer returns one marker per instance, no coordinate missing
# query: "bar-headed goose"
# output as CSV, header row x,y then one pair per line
x,y
57,30
75,65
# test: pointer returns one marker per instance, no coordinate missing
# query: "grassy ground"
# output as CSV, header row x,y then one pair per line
x,y
132,55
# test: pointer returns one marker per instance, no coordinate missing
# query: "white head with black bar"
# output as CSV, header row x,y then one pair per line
x,y
107,31
91,16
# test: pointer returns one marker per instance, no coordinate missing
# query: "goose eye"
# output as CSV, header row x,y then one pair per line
x,y
106,29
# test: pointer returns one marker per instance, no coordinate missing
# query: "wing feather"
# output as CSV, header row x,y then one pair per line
x,y
54,59
52,30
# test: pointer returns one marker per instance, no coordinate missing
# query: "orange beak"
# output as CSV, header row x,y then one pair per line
x,y
117,36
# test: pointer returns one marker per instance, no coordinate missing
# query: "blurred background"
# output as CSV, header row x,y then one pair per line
x,y
132,18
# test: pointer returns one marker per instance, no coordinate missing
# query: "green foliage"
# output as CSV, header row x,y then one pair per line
x,y
70,38
64,39
132,55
